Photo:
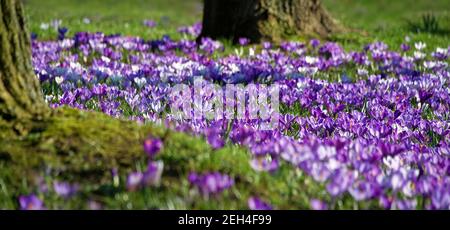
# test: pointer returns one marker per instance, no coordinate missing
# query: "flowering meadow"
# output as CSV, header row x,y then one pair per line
x,y
360,126
365,129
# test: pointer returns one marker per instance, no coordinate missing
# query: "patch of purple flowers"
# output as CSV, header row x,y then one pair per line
x,y
152,146
31,202
211,183
64,189
151,176
379,133
255,203
318,205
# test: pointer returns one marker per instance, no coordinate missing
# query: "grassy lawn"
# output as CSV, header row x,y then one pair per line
x,y
392,21
382,20
114,16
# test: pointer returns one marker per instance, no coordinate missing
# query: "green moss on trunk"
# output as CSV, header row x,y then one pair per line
x,y
21,100
77,142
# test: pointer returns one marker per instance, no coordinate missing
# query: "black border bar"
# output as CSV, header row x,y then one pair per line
x,y
150,219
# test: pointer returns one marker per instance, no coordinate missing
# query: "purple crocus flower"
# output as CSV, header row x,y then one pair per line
x,y
244,41
193,30
441,54
41,184
397,181
211,183
267,45
94,205
440,198
134,180
241,134
62,33
264,163
405,47
34,36
99,90
255,203
215,141
444,150
153,174
64,189
214,138
314,43
404,204
340,182
152,146
385,202
363,190
150,23
31,202
318,205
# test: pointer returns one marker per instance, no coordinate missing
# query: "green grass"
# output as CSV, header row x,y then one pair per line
x,y
391,21
114,16
375,20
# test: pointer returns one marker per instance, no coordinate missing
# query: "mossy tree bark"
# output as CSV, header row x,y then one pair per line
x,y
34,136
21,99
266,19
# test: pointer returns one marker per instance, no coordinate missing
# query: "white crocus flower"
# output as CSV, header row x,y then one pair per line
x,y
44,26
429,64
106,59
419,55
234,68
311,60
313,70
302,69
441,50
420,45
140,82
251,52
407,39
86,21
49,98
59,80
134,68
363,72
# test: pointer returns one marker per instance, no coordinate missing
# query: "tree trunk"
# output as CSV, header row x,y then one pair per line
x,y
21,99
266,19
